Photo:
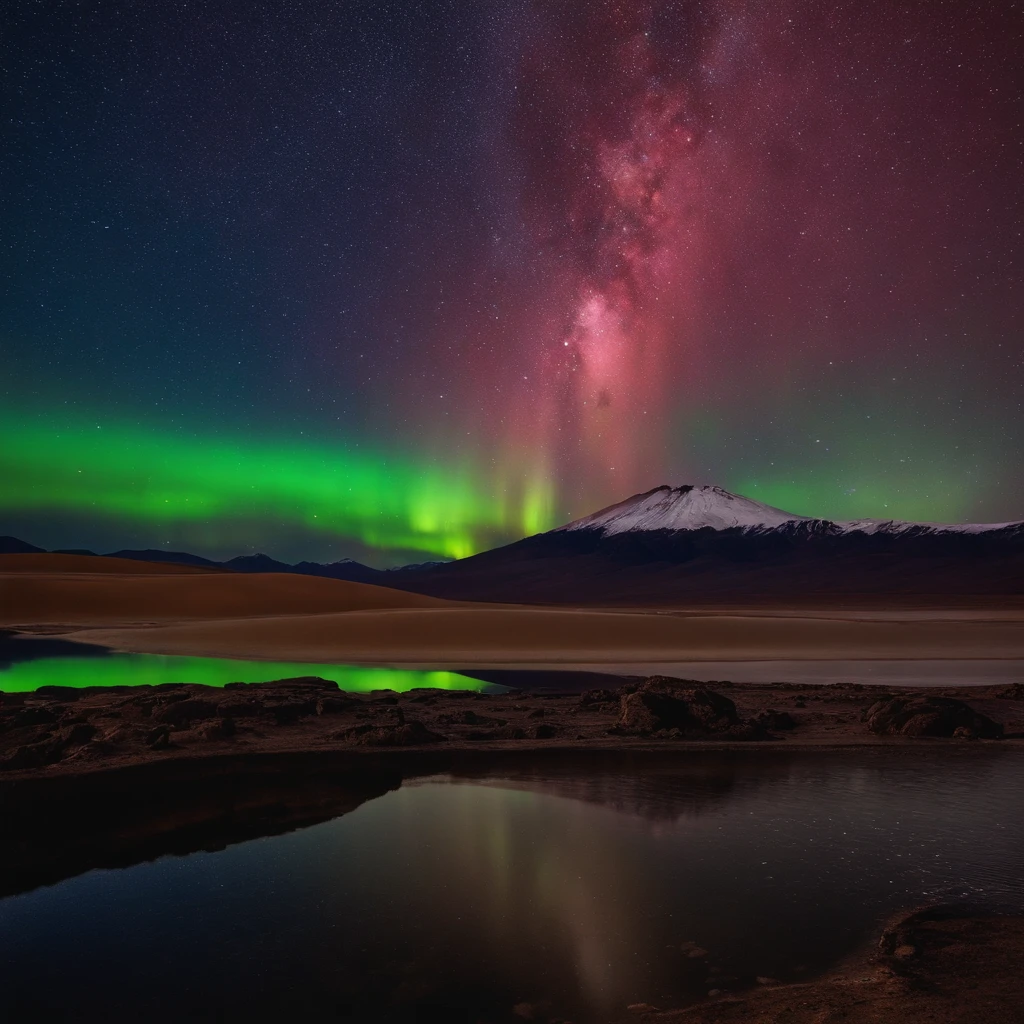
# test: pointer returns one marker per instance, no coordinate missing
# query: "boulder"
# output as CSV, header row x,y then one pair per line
x,y
407,734
470,717
218,729
505,732
159,737
36,715
663,704
180,713
930,716
334,705
597,697
246,707
77,734
288,712
50,749
780,721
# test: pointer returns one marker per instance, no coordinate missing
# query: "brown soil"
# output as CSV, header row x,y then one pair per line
x,y
145,593
163,609
44,562
493,635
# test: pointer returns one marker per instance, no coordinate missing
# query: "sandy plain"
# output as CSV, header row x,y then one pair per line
x,y
926,968
141,607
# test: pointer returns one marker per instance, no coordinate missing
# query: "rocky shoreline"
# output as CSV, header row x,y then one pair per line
x,y
935,964
110,777
64,730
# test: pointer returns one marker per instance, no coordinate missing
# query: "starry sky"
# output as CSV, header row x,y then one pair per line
x,y
407,280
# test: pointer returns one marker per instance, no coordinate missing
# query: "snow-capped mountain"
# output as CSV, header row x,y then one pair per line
x,y
684,508
707,507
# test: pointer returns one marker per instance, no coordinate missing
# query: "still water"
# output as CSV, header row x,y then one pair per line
x,y
28,663
545,894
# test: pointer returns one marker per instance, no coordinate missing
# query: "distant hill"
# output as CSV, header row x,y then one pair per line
x,y
693,545
256,563
158,555
13,546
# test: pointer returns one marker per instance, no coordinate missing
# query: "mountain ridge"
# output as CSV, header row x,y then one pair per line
x,y
707,506
697,544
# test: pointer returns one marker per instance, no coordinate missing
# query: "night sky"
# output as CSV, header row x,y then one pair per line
x,y
407,280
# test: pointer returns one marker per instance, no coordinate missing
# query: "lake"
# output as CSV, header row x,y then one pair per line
x,y
26,663
555,891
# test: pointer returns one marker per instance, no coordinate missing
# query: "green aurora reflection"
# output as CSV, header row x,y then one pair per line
x,y
152,669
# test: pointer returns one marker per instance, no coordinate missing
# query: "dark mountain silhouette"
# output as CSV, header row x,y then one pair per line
x,y
256,563
696,545
13,546
705,545
344,569
157,555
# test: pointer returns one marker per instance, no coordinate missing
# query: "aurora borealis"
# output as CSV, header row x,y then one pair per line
x,y
409,280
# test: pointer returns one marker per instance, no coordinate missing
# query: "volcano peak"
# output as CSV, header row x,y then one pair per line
x,y
689,507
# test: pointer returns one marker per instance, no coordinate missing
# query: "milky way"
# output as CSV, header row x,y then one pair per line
x,y
515,260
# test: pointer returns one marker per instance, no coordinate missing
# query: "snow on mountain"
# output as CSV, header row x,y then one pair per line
x,y
701,507
683,508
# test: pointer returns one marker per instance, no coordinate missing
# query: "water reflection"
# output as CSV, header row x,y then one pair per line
x,y
29,663
563,890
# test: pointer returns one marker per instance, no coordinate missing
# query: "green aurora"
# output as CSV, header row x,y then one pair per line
x,y
132,475
218,493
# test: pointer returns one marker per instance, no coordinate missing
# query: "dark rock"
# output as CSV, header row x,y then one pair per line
x,y
334,705
749,730
545,732
592,697
34,755
158,737
1015,691
536,713
288,712
929,716
66,694
39,715
120,734
408,734
662,703
303,683
220,729
508,732
470,718
51,749
422,695
240,708
77,734
181,713
777,720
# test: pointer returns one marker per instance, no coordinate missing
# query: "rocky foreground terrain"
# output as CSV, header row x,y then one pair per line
x,y
934,965
107,777
60,729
